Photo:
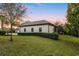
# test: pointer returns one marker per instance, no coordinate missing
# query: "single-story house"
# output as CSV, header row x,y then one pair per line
x,y
41,26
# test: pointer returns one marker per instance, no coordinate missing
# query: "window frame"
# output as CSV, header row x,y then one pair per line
x,y
32,29
24,29
40,29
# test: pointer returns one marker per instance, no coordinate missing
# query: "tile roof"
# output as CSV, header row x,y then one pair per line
x,y
28,23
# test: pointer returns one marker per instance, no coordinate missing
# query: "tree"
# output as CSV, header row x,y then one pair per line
x,y
13,11
73,19
2,21
59,28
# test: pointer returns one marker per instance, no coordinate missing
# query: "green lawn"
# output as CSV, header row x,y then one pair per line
x,y
33,45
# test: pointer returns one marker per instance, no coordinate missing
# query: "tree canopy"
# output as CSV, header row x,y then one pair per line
x,y
73,19
13,12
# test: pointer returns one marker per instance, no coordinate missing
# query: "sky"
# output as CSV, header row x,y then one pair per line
x,y
46,11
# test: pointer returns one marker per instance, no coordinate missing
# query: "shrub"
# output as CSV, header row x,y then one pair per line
x,y
54,35
46,35
2,32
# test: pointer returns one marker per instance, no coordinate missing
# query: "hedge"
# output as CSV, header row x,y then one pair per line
x,y
2,32
46,35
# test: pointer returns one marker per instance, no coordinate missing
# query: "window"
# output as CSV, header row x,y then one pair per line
x,y
32,30
24,29
40,29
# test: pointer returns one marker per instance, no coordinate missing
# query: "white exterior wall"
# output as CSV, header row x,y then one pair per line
x,y
51,29
36,29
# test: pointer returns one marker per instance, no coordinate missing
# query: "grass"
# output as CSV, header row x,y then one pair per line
x,y
38,46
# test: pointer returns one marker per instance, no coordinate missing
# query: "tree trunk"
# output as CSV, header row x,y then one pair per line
x,y
1,24
11,39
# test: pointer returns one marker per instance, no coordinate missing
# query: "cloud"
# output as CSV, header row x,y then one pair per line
x,y
40,4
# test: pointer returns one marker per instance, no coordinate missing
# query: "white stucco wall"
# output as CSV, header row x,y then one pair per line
x,y
51,29
36,29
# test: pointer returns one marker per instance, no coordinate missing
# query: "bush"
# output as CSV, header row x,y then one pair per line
x,y
46,35
54,35
2,32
